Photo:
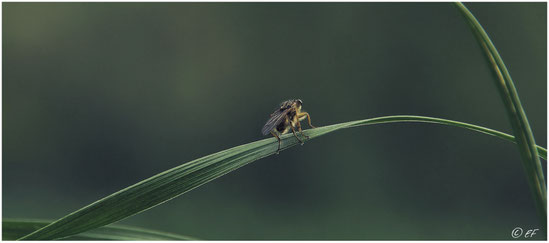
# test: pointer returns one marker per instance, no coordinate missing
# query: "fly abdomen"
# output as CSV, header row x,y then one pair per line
x,y
283,127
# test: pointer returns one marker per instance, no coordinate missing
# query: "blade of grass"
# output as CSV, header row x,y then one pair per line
x,y
174,182
12,229
515,112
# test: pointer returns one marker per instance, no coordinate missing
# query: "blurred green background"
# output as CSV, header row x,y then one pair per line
x,y
98,96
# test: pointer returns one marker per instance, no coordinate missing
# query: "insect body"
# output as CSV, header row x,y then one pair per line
x,y
286,118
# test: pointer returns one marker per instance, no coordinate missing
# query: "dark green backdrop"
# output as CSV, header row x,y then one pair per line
x,y
98,96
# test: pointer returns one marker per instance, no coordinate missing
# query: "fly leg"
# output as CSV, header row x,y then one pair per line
x,y
304,115
301,116
293,130
300,130
276,136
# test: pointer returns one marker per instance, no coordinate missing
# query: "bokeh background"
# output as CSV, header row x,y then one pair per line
x,y
98,96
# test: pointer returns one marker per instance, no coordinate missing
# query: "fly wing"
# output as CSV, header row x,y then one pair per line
x,y
276,118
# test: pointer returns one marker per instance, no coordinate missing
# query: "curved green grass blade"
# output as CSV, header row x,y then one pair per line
x,y
174,182
13,229
517,116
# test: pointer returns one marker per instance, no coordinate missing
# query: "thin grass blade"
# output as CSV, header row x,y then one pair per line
x,y
516,114
174,182
12,229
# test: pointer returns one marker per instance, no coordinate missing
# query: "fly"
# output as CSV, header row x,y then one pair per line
x,y
287,118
